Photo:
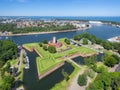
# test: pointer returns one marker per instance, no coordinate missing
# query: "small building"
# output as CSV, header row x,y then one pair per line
x,y
55,43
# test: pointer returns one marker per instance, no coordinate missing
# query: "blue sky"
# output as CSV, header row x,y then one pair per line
x,y
59,7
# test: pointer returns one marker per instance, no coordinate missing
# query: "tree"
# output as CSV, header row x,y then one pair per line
x,y
85,41
90,60
2,72
40,44
52,49
67,41
7,68
101,82
82,80
65,74
45,41
117,58
90,73
7,83
8,51
109,61
45,47
115,83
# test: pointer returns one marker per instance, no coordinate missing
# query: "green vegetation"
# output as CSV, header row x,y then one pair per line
x,y
85,41
52,49
106,81
110,60
65,74
89,61
13,28
100,67
50,60
40,44
45,41
6,82
47,63
45,47
82,80
8,51
106,44
90,73
67,41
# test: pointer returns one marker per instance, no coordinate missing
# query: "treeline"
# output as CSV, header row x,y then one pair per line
x,y
8,51
7,27
106,44
13,28
105,81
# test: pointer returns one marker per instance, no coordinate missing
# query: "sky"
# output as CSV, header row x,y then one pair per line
x,y
59,7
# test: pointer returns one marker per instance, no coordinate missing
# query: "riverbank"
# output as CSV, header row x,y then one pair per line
x,y
34,33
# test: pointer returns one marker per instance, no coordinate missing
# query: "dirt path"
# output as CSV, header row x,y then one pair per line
x,y
74,85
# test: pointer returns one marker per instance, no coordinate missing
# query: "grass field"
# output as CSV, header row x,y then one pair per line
x,y
46,64
48,61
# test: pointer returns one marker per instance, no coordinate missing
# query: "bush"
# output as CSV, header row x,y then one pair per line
x,y
67,41
85,41
65,74
90,60
52,49
7,83
91,73
45,41
40,44
7,68
117,58
94,67
109,61
45,48
99,69
82,80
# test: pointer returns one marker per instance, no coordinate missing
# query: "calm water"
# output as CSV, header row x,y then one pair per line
x,y
31,81
80,60
101,31
103,18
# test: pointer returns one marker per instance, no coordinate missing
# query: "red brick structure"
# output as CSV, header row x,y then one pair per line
x,y
55,43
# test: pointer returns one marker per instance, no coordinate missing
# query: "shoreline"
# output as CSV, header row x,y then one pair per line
x,y
34,33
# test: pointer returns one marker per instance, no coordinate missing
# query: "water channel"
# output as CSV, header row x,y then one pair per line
x,y
31,81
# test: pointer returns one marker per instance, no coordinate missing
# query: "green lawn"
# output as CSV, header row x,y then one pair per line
x,y
48,61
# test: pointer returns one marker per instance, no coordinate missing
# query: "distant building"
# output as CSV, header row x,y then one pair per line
x,y
95,22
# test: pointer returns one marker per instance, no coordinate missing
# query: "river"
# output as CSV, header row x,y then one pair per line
x,y
31,81
102,31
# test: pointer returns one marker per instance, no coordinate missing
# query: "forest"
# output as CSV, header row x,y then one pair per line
x,y
8,51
